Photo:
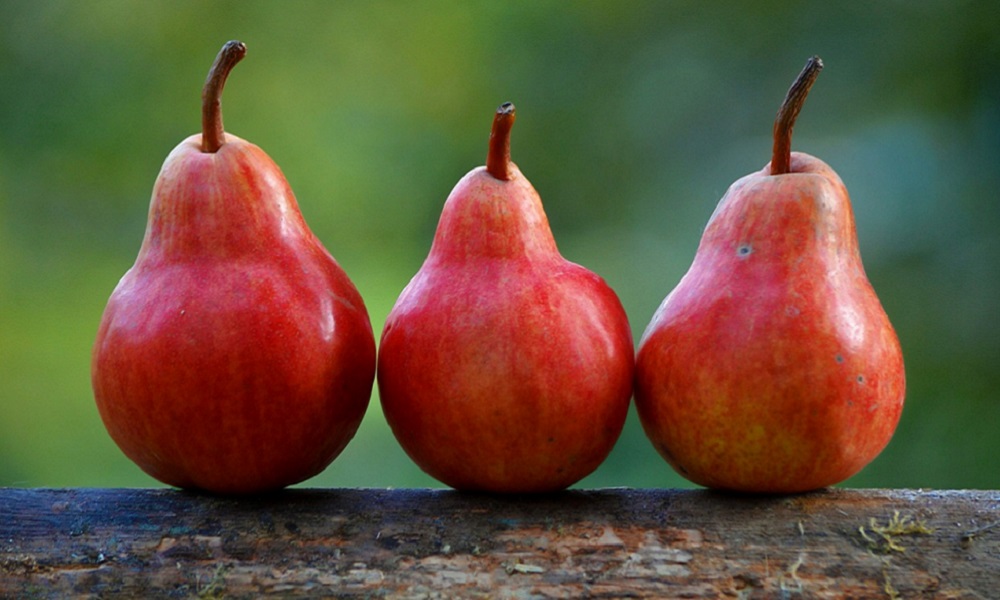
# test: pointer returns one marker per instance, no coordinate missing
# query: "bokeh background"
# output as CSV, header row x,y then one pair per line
x,y
633,119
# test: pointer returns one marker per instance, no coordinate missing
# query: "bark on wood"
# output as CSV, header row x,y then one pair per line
x,y
443,544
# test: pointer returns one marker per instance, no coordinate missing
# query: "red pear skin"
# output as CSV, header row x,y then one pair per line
x,y
772,366
235,356
503,367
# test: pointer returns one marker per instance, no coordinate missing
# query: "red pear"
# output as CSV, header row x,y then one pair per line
x,y
503,367
235,356
772,366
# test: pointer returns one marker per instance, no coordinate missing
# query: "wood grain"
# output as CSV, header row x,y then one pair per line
x,y
614,543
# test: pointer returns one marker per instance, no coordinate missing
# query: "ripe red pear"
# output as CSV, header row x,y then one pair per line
x,y
503,367
772,366
235,356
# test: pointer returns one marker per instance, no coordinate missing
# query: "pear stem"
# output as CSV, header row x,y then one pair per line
x,y
781,157
212,133
498,157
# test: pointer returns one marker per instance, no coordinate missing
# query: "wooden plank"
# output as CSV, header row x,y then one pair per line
x,y
614,543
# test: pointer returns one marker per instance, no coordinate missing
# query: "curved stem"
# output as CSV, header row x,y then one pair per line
x,y
498,157
212,133
781,156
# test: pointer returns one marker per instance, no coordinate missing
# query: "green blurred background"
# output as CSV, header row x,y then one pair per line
x,y
633,119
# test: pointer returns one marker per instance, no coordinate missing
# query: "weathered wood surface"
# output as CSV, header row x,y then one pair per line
x,y
613,543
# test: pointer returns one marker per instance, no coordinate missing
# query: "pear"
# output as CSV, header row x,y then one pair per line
x,y
772,367
503,367
235,356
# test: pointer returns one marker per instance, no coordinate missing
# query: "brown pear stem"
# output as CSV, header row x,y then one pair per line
x,y
498,157
212,133
781,157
